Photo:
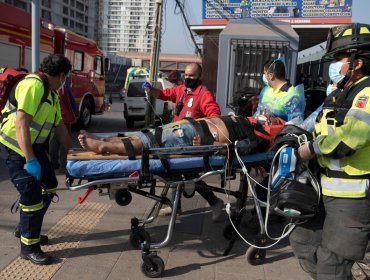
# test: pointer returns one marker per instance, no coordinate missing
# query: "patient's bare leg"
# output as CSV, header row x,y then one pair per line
x,y
103,147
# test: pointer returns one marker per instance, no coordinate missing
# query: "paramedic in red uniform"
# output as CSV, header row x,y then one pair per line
x,y
192,100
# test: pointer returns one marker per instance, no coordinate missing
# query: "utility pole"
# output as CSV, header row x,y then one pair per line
x,y
35,35
153,74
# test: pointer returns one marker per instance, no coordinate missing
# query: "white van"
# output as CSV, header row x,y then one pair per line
x,y
135,103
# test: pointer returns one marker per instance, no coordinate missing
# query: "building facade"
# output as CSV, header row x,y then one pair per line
x,y
76,15
125,25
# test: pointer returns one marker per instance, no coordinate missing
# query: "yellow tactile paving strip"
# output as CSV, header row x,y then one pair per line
x,y
64,236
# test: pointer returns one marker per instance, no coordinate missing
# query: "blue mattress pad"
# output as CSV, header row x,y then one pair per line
x,y
87,168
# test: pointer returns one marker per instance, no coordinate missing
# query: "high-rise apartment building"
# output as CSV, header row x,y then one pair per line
x,y
125,25
76,15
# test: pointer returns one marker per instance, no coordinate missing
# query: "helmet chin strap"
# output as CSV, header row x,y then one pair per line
x,y
348,75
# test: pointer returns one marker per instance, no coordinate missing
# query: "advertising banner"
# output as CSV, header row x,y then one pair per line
x,y
295,12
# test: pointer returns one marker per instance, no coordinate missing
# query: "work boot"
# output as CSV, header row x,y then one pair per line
x,y
217,210
38,257
44,239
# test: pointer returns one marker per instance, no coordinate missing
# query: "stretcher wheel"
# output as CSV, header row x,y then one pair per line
x,y
229,232
139,236
123,197
156,270
255,256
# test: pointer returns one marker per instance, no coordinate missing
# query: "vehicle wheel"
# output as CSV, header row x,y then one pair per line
x,y
155,271
229,232
255,256
130,122
139,236
123,197
85,115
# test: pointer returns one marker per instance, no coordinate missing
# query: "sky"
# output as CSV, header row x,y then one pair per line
x,y
176,38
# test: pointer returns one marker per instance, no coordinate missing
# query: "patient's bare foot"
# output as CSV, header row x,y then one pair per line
x,y
90,144
89,135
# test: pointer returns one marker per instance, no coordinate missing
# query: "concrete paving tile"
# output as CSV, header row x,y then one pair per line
x,y
232,276
86,270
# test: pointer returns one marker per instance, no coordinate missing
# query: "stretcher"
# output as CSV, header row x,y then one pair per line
x,y
179,168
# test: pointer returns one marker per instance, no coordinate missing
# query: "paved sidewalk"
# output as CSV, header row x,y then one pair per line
x,y
105,252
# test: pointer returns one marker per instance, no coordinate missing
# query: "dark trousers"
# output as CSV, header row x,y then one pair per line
x,y
328,245
204,191
30,192
58,154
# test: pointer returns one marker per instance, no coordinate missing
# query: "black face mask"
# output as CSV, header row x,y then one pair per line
x,y
191,83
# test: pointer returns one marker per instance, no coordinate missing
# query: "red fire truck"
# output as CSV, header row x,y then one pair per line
x,y
88,63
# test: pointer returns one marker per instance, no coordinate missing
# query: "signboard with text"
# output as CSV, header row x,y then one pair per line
x,y
295,12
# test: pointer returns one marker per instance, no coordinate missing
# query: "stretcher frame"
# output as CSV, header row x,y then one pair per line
x,y
152,265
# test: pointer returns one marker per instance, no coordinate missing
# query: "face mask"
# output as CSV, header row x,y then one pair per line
x,y
191,83
265,81
334,72
329,89
61,87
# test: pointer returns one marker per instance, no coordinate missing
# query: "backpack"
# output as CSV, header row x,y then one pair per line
x,y
9,79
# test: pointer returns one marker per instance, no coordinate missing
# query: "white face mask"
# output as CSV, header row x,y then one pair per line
x,y
335,71
61,87
265,81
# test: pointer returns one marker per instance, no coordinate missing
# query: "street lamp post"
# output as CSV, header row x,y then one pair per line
x,y
35,5
150,110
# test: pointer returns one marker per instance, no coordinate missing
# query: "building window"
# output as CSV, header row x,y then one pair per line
x,y
72,13
86,29
72,3
65,10
47,3
46,14
86,19
65,2
65,21
80,6
20,4
71,24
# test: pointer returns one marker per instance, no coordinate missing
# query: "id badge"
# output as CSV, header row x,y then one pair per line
x,y
188,114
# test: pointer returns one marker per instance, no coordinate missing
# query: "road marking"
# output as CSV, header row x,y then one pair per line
x,y
64,237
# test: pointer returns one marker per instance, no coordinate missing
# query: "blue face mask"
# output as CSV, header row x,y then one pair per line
x,y
265,81
335,72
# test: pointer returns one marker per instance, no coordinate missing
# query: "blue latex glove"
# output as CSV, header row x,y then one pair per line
x,y
146,86
33,167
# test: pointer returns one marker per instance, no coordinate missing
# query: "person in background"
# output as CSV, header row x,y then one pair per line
x,y
279,98
328,245
192,100
58,154
24,139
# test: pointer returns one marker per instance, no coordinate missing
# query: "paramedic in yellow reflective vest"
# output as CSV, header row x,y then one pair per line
x,y
279,98
24,137
328,245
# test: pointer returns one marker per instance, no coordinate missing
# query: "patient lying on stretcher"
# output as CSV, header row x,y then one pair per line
x,y
187,132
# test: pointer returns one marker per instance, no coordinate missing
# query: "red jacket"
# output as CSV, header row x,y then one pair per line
x,y
197,104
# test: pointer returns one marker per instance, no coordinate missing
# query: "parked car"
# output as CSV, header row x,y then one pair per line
x,y
135,102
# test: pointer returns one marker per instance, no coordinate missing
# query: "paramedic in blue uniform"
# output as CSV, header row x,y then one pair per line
x,y
328,245
24,139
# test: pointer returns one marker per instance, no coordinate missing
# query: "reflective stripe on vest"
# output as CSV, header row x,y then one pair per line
x,y
52,191
30,241
347,188
31,208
